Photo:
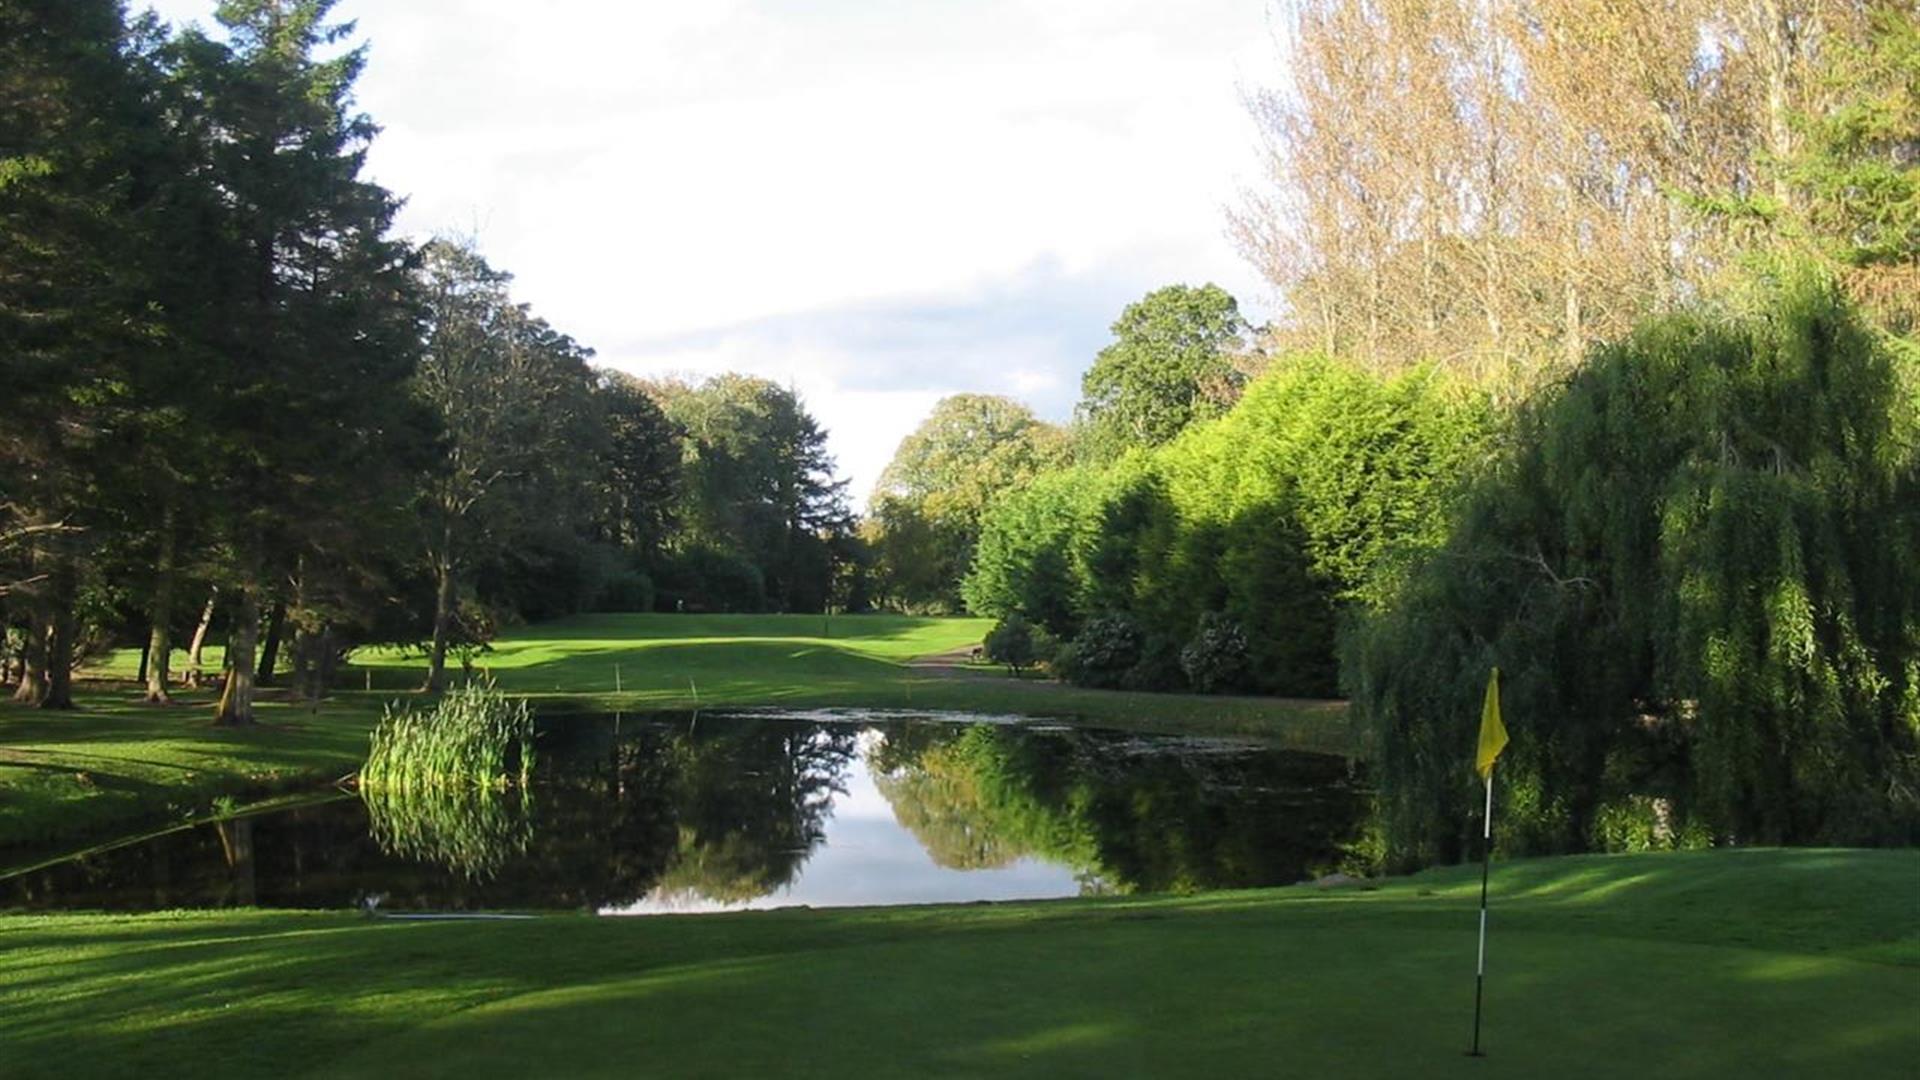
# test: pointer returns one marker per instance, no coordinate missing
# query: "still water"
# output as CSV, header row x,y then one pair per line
x,y
644,815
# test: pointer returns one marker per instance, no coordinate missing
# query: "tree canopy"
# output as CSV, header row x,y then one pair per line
x,y
1693,566
1172,362
927,508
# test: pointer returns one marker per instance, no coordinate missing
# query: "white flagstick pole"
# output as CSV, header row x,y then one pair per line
x,y
1486,864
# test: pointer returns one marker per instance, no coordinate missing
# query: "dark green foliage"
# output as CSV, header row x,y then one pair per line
x,y
1011,642
702,578
1694,566
1285,608
1105,652
638,485
757,485
524,451
1217,660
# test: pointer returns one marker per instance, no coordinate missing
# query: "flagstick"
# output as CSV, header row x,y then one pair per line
x,y
1486,865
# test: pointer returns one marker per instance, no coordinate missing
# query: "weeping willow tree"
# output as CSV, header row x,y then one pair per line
x,y
1697,564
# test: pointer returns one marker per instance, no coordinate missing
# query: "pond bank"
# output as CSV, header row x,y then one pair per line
x,y
116,763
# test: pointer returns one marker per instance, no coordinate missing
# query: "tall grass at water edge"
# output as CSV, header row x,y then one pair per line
x,y
475,736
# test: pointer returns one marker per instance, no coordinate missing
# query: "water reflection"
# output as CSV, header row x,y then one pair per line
x,y
667,814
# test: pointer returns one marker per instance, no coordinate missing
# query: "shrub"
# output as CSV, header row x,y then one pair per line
x,y
1104,651
1310,496
1011,642
1158,667
1216,659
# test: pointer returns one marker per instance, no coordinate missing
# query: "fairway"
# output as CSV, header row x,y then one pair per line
x,y
657,652
680,662
759,656
1732,963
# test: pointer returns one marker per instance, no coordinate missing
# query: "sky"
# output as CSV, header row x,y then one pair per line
x,y
875,202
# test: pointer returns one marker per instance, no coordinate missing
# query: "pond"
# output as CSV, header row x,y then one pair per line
x,y
653,814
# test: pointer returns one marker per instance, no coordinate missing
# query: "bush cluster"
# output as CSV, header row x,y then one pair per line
x,y
1299,501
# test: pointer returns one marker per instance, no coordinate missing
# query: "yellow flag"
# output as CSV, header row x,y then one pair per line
x,y
1493,733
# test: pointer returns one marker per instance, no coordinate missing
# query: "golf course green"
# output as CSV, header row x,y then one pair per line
x,y
1714,964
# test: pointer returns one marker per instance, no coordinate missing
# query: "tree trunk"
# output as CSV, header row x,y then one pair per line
x,y
1777,40
196,652
236,698
160,616
326,657
33,666
303,662
270,650
13,668
62,628
442,626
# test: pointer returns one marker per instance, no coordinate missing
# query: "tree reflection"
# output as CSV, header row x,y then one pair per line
x,y
729,809
751,801
1127,814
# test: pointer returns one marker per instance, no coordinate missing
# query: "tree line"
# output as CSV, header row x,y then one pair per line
x,y
1595,362
240,407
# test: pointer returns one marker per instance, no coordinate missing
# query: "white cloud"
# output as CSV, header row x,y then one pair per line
x,y
669,181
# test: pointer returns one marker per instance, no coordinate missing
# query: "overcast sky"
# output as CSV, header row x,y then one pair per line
x,y
877,202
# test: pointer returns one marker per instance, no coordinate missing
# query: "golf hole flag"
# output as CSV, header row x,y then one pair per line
x,y
1493,739
1493,733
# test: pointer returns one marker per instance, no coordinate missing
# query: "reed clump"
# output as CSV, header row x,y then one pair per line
x,y
474,737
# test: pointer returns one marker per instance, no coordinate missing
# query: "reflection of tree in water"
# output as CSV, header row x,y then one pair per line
x,y
730,808
727,809
1129,813
236,844
751,800
951,789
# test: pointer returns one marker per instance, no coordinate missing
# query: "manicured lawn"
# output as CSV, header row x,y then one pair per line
x,y
811,661
1713,964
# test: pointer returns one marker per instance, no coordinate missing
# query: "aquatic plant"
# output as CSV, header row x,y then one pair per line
x,y
475,736
472,831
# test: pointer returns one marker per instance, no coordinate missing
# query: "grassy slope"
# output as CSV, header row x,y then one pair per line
x,y
803,661
1732,963
71,774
